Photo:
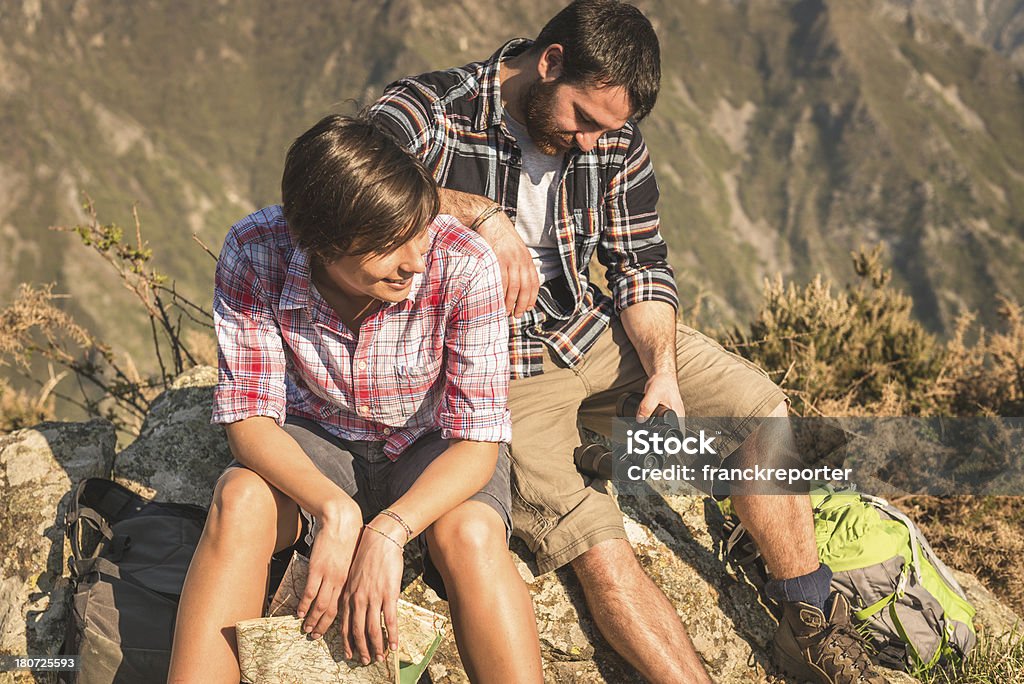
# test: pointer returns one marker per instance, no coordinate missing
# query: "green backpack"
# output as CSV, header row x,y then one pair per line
x,y
903,597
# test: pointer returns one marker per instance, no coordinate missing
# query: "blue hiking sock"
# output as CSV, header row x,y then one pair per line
x,y
813,588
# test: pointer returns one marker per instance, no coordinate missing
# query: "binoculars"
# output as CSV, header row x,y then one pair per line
x,y
597,460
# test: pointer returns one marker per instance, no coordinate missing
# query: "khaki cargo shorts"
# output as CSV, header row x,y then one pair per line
x,y
560,513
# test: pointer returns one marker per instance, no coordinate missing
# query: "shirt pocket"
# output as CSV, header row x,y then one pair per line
x,y
587,225
417,392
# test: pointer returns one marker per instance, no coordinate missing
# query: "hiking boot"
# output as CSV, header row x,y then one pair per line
x,y
830,651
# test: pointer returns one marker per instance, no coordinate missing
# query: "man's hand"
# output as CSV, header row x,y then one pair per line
x,y
373,586
329,562
518,274
661,388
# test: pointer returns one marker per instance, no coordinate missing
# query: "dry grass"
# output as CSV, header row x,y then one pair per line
x,y
995,660
35,327
20,409
959,526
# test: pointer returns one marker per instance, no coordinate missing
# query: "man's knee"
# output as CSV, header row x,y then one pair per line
x,y
781,410
608,568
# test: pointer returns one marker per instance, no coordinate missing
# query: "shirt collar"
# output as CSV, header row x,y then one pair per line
x,y
298,280
489,108
417,281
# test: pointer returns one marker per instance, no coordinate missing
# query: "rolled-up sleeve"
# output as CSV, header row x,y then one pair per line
x,y
250,353
631,245
475,404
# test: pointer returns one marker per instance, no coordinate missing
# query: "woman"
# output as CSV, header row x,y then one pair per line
x,y
363,385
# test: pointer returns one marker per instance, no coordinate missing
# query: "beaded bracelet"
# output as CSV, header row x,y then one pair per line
x,y
484,216
386,536
398,519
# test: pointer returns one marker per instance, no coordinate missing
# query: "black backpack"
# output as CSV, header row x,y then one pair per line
x,y
128,564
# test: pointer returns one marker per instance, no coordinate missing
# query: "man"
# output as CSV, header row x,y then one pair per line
x,y
363,378
538,150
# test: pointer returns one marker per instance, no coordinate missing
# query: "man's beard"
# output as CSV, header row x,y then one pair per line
x,y
537,104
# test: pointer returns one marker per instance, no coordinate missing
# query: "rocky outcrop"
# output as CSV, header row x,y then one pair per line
x,y
37,469
178,456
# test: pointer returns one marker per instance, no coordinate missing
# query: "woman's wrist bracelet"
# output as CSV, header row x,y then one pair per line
x,y
484,216
386,536
398,519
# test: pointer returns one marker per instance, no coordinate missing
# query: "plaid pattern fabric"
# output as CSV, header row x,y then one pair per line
x,y
436,360
606,200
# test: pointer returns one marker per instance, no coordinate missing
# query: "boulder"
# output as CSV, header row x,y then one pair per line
x,y
179,453
994,618
38,467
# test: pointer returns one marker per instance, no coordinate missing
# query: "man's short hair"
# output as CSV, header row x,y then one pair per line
x,y
349,188
607,43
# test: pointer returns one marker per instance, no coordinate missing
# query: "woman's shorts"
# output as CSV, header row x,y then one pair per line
x,y
375,482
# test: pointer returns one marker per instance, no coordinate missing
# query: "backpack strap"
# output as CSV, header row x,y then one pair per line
x,y
76,518
96,504
915,543
876,607
111,500
915,655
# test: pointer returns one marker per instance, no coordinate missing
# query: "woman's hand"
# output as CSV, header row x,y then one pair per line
x,y
374,583
329,561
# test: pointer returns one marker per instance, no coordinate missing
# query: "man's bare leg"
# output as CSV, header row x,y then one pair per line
x,y
227,580
492,613
783,528
635,616
781,525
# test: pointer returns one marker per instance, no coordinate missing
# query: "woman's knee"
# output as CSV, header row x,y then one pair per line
x,y
472,534
246,504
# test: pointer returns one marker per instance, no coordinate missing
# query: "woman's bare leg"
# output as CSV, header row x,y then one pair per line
x,y
492,613
227,581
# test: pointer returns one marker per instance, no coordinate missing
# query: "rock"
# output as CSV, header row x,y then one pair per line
x,y
993,618
38,467
179,454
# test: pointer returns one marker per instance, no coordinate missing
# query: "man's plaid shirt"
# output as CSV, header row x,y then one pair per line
x,y
452,120
435,360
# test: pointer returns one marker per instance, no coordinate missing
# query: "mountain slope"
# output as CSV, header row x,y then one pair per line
x,y
786,134
996,23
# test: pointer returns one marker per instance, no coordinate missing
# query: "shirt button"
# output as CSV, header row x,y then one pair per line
x,y
386,431
362,365
364,410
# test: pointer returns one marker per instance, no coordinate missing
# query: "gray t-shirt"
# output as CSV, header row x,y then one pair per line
x,y
535,204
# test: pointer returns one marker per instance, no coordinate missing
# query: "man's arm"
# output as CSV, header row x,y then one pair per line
x,y
519,277
416,121
641,280
651,327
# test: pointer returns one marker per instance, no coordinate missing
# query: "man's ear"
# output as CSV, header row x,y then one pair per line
x,y
549,66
